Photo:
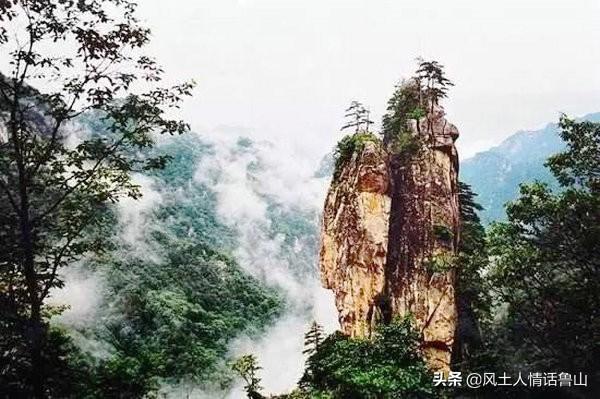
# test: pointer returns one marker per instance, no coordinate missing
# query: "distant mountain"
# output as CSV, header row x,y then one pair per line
x,y
495,174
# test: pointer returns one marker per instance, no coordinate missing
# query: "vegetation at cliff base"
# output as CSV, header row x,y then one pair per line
x,y
533,307
546,266
388,365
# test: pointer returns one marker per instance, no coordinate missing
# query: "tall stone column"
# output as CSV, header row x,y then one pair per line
x,y
390,235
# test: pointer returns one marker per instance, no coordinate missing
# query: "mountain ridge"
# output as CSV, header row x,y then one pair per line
x,y
495,174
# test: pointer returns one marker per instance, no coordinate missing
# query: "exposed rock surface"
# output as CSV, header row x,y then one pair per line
x,y
355,236
389,236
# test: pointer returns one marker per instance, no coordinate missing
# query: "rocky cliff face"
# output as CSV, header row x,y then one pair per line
x,y
390,233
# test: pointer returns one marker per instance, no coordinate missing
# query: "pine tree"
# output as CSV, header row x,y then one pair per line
x,y
472,296
367,120
412,100
313,338
431,75
247,367
357,116
312,341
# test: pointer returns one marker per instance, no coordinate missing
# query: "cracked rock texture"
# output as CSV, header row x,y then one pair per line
x,y
389,237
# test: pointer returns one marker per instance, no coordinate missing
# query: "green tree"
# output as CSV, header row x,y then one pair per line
x,y
546,268
433,81
313,338
404,105
312,341
247,367
477,339
413,100
357,116
580,165
67,58
389,365
473,300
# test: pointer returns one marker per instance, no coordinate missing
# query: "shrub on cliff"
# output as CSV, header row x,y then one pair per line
x,y
412,100
348,146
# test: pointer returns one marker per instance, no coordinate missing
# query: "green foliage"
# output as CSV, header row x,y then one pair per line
x,y
440,263
388,365
131,376
472,261
404,105
546,269
312,339
348,146
532,308
175,297
412,100
312,342
247,368
406,144
193,303
417,113
431,75
82,57
475,337
358,116
580,165
443,233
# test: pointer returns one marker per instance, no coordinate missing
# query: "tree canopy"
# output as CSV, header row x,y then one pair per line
x,y
388,365
546,264
66,59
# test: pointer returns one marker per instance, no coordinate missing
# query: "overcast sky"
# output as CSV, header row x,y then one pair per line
x,y
286,69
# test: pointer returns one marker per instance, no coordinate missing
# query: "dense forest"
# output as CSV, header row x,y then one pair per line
x,y
88,136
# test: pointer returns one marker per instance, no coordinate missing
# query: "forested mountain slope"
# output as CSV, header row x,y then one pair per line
x,y
495,174
216,254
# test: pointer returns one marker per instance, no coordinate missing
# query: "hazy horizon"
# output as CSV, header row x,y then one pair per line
x,y
286,70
